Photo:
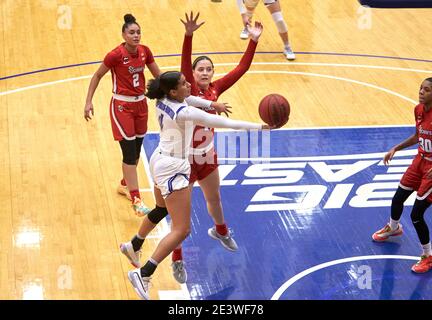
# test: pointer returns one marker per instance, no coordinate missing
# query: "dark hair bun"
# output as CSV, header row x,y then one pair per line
x,y
128,18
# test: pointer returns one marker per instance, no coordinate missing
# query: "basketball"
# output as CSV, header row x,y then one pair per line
x,y
274,110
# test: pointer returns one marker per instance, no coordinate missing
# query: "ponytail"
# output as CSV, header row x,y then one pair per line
x,y
161,86
153,89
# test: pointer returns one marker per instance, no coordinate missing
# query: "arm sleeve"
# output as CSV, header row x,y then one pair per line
x,y
186,60
234,75
198,102
205,119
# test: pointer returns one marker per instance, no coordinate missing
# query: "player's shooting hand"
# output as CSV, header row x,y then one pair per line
x,y
267,127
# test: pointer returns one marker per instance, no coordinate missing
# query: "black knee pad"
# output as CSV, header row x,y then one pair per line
x,y
138,145
157,214
129,151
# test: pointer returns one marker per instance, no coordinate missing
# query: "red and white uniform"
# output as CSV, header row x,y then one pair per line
x,y
204,159
128,110
415,176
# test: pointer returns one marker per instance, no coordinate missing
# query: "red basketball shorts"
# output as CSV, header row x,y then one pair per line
x,y
415,178
203,165
128,119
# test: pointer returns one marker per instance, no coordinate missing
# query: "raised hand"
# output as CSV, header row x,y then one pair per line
x,y
255,31
191,23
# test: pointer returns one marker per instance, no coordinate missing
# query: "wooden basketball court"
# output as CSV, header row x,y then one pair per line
x,y
61,219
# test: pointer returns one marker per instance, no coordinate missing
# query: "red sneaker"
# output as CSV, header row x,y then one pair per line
x,y
386,232
424,265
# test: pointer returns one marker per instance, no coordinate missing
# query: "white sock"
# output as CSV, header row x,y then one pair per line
x,y
394,224
427,249
153,261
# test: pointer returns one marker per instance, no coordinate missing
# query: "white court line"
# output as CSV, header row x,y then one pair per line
x,y
45,84
378,155
319,64
260,63
321,128
366,84
304,273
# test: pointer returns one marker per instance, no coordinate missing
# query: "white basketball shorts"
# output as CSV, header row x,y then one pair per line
x,y
168,173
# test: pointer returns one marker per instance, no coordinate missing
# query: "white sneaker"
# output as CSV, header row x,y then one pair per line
x,y
123,190
244,34
227,241
133,256
179,271
140,208
140,284
289,54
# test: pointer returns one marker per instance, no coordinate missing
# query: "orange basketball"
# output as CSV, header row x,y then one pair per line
x,y
274,110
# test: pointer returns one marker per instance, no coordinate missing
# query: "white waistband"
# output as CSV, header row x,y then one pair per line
x,y
200,151
128,98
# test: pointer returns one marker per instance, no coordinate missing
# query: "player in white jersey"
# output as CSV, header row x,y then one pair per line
x,y
247,8
170,167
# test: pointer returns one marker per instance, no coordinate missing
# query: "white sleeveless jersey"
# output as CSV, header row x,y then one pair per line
x,y
175,136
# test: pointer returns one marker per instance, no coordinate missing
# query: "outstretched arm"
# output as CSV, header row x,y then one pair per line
x,y
234,75
205,119
191,25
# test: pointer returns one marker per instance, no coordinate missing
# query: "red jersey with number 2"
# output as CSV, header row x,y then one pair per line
x,y
127,69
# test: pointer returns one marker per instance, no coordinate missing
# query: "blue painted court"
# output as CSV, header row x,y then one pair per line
x,y
303,218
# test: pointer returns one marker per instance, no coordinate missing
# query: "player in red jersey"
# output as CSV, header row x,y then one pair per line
x,y
204,166
247,8
418,177
128,108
